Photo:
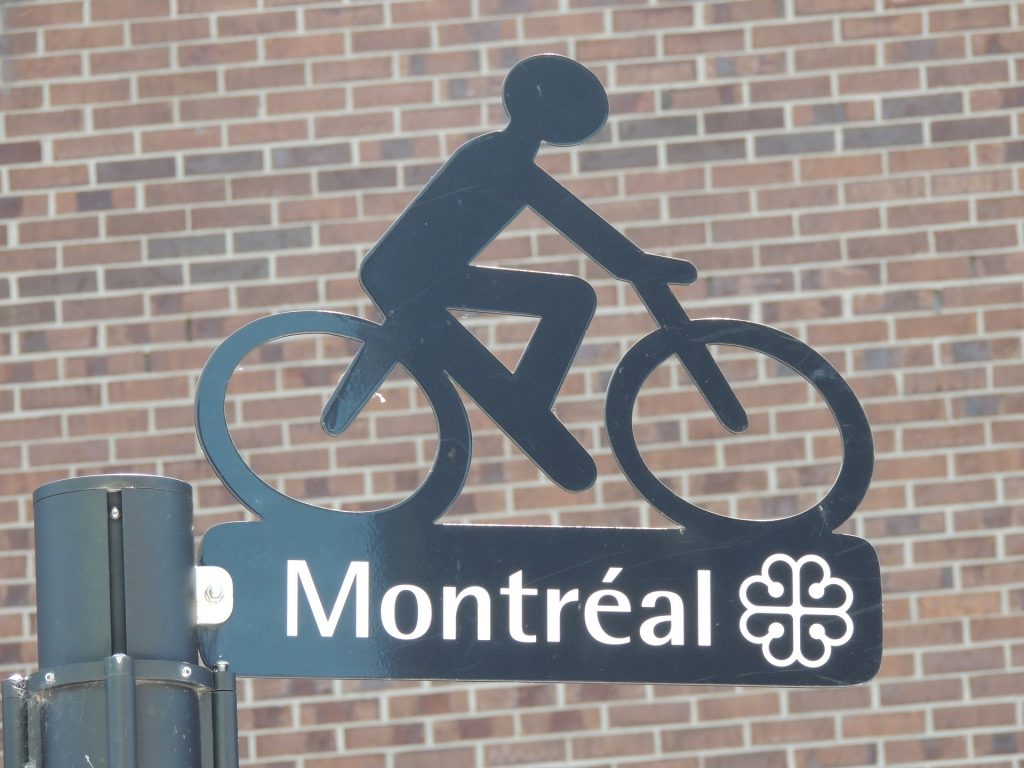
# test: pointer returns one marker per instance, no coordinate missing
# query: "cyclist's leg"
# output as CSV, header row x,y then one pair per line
x,y
520,402
564,305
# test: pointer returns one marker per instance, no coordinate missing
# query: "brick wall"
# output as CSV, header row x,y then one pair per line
x,y
847,170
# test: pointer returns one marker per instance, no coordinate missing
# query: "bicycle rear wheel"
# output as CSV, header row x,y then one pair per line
x,y
427,503
855,433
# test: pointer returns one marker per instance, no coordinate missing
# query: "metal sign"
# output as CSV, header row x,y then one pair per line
x,y
393,594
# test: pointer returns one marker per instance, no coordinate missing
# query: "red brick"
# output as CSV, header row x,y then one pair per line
x,y
20,43
145,223
838,756
802,33
891,25
812,7
977,716
836,168
691,43
30,259
307,101
37,398
176,193
256,23
212,54
883,724
743,10
391,95
970,660
592,747
474,728
220,108
275,186
44,67
49,177
847,221
390,39
925,749
871,82
43,14
731,707
135,60
749,760
91,254
977,237
29,97
175,30
175,139
217,217
357,16
272,76
564,23
302,742
81,38
752,174
950,75
835,57
98,146
753,65
178,84
995,43
36,123
151,113
83,228
109,10
788,732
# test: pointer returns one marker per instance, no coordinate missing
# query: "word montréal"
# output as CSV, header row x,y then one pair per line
x,y
663,621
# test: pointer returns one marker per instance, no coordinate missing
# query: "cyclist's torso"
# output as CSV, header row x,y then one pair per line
x,y
474,196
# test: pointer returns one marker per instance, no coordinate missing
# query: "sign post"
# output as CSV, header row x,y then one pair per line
x,y
314,592
119,683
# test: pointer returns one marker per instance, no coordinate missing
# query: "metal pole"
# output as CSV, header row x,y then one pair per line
x,y
121,735
119,684
225,718
15,722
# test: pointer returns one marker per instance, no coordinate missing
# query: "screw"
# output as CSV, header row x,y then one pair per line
x,y
50,678
186,671
115,513
214,593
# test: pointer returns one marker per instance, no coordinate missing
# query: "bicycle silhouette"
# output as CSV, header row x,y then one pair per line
x,y
421,268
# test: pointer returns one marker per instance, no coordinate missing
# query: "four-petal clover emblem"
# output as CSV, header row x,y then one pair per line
x,y
796,611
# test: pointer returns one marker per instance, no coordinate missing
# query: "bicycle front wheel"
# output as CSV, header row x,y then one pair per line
x,y
855,433
427,503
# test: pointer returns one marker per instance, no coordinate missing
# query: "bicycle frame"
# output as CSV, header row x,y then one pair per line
x,y
696,358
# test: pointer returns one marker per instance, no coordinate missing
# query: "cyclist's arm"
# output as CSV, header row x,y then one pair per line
x,y
597,238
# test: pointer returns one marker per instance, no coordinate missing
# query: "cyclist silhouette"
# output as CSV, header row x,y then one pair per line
x,y
421,268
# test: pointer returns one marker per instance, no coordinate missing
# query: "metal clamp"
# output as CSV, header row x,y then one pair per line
x,y
215,595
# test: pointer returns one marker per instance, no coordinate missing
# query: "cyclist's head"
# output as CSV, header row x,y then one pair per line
x,y
555,99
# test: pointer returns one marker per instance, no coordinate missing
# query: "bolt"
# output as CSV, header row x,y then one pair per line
x,y
50,678
115,513
214,593
222,666
186,671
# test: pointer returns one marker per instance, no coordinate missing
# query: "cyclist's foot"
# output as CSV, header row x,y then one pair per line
x,y
558,454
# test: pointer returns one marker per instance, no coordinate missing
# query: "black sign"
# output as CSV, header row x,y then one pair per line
x,y
374,598
388,594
